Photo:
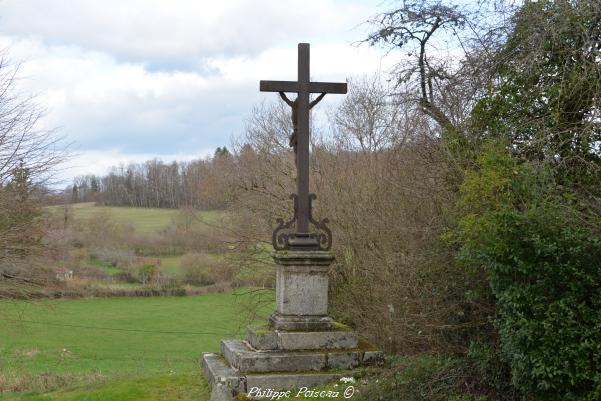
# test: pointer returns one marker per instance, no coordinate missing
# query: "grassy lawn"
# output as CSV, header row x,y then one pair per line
x,y
159,335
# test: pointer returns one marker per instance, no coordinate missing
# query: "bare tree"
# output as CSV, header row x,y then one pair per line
x,y
367,119
28,157
447,49
22,143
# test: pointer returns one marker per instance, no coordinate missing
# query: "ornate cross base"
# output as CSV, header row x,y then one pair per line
x,y
301,347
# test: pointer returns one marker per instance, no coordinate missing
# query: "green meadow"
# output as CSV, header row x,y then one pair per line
x,y
144,220
120,349
125,341
171,387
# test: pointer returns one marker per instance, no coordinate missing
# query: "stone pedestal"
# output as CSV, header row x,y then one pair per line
x,y
302,291
301,347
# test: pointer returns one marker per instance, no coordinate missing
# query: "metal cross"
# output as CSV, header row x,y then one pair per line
x,y
300,142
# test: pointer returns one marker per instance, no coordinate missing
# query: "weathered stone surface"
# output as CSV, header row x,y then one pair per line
x,y
344,359
301,322
317,340
302,290
285,381
225,382
262,338
373,357
303,258
302,282
220,393
231,351
245,360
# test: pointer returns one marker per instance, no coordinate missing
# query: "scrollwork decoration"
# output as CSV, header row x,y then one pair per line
x,y
320,240
324,238
282,232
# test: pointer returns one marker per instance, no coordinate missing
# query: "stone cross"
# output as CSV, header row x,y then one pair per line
x,y
300,140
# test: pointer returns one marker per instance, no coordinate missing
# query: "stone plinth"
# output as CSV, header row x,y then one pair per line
x,y
301,347
302,291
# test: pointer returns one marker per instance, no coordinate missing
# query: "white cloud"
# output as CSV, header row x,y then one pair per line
x,y
164,29
100,162
111,73
329,61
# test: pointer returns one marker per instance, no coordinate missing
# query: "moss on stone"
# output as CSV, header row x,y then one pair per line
x,y
341,327
261,330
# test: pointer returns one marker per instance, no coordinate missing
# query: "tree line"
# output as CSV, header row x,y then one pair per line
x,y
156,184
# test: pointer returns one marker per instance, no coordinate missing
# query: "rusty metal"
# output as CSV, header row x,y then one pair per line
x,y
302,238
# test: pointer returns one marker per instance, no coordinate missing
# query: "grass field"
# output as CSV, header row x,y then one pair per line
x,y
117,349
170,264
133,339
144,220
180,387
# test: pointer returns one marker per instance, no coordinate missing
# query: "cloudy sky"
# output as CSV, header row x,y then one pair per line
x,y
130,80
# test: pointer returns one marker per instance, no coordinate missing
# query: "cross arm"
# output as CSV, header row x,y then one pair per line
x,y
293,86
278,86
327,87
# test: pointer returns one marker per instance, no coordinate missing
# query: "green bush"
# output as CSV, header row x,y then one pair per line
x,y
544,266
201,269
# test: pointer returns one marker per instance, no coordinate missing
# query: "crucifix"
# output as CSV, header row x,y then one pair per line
x,y
299,141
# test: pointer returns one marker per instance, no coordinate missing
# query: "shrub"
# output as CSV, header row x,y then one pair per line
x,y
544,267
201,269
425,378
255,276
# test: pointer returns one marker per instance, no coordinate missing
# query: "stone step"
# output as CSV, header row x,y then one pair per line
x,y
256,382
226,383
243,358
263,338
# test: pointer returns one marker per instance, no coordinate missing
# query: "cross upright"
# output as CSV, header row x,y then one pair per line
x,y
300,140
